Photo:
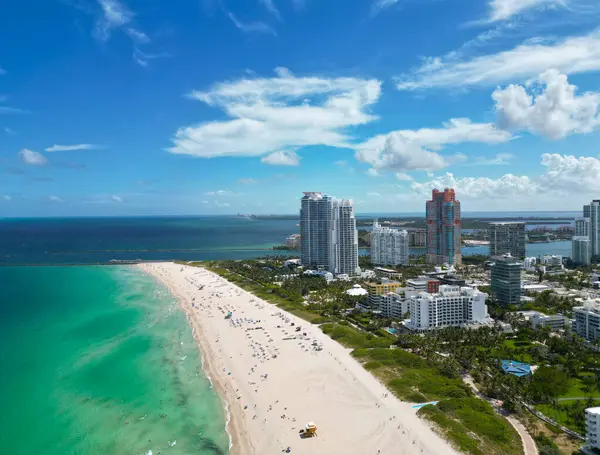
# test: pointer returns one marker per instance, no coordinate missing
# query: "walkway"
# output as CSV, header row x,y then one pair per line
x,y
529,446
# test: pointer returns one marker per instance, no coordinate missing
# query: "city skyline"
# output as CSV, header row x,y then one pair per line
x,y
122,108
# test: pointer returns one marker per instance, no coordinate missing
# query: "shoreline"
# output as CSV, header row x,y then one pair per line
x,y
299,381
239,443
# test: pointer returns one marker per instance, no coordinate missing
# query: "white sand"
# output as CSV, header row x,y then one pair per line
x,y
355,414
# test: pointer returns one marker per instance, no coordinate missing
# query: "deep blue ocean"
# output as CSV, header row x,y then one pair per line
x,y
100,240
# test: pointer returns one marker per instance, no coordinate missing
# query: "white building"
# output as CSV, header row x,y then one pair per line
x,y
389,246
357,291
592,420
587,320
452,306
537,319
530,263
592,213
328,236
551,260
393,305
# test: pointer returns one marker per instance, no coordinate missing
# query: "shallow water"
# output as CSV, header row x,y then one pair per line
x,y
100,360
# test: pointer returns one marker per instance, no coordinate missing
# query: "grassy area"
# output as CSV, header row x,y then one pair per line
x,y
473,426
410,377
562,416
577,386
352,338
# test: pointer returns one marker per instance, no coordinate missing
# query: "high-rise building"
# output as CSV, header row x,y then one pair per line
x,y
592,213
451,306
443,228
344,239
506,279
581,250
316,219
507,237
592,435
587,320
389,246
328,236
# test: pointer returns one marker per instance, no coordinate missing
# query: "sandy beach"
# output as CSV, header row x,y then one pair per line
x,y
275,378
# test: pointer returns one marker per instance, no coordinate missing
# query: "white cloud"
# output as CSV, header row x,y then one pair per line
x,y
372,172
219,193
410,150
10,131
571,55
116,198
270,6
6,198
143,58
282,158
33,158
250,27
55,199
554,111
564,177
65,148
501,10
284,112
114,16
137,35
222,204
402,176
247,181
379,5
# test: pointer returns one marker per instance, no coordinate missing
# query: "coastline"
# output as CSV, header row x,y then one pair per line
x,y
239,442
354,412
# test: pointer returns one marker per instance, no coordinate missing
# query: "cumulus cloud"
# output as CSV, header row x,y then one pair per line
x,y
282,158
563,176
66,148
279,113
570,55
554,111
501,10
411,150
115,198
55,199
32,158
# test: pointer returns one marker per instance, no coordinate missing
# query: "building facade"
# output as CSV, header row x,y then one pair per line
x,y
592,213
506,279
581,250
344,239
377,292
328,236
443,228
389,246
452,306
316,219
417,238
587,320
293,241
592,423
507,238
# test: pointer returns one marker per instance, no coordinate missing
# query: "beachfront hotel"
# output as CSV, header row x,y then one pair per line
x,y
389,246
451,306
328,236
443,228
507,237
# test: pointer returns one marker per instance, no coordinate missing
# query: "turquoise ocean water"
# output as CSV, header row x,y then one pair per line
x,y
100,360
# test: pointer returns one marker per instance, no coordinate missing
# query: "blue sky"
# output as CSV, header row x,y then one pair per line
x,y
148,107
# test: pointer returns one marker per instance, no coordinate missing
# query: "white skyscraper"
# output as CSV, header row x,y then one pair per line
x,y
581,244
328,237
592,213
389,246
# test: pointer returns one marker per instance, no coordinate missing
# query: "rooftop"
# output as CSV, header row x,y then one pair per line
x,y
516,368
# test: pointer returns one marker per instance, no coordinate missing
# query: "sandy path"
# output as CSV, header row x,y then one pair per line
x,y
273,385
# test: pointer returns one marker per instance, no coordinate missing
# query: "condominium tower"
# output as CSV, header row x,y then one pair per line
x,y
443,228
389,246
581,243
328,237
507,237
506,279
591,212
